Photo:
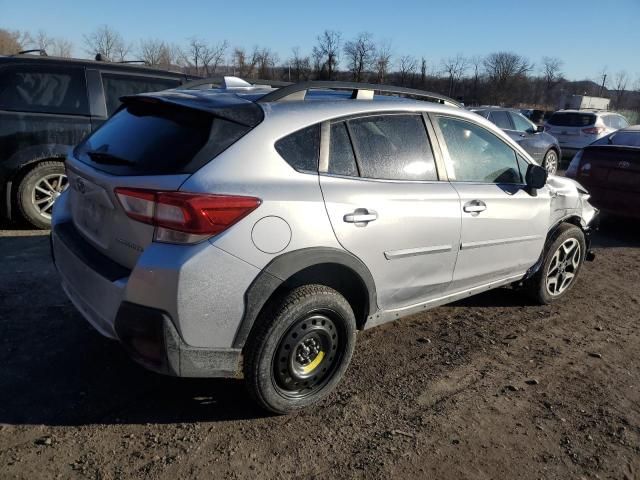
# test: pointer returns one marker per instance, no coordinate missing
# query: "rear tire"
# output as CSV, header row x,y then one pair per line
x,y
551,161
300,349
38,190
562,263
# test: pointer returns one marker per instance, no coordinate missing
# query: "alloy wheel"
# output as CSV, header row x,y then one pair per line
x,y
46,191
551,162
563,267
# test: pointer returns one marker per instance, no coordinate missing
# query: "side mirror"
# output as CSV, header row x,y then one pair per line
x,y
536,176
540,128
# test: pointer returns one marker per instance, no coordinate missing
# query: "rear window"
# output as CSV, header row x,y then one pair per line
x,y
157,139
46,89
572,119
631,139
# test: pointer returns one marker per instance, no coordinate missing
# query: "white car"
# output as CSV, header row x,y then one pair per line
x,y
575,129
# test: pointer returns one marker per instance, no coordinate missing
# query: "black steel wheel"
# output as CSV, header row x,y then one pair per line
x,y
308,354
300,348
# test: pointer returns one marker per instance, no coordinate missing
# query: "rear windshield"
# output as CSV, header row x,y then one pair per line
x,y
572,119
156,139
631,139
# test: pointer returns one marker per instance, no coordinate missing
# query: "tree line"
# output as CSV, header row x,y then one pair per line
x,y
498,78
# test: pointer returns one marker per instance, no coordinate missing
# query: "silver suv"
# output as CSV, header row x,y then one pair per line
x,y
246,231
575,129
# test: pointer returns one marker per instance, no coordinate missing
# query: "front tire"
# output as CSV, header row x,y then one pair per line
x,y
300,349
562,263
38,191
550,162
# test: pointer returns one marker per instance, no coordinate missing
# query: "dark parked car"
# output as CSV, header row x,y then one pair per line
x,y
543,147
47,105
610,169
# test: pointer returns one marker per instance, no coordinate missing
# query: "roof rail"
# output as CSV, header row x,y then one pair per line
x,y
41,52
228,82
363,91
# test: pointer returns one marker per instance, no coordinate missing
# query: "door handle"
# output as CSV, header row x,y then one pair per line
x,y
360,216
475,206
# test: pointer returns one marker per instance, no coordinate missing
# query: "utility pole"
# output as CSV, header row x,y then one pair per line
x,y
604,79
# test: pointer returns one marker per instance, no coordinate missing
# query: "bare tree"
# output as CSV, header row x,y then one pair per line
x,y
503,68
43,41
382,61
157,53
423,72
620,85
61,47
476,62
212,55
361,54
407,68
455,67
106,42
327,52
13,41
299,66
266,61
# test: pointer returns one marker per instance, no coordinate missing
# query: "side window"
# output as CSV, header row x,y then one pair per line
x,y
301,149
521,123
476,155
116,86
622,122
501,119
46,89
341,158
393,147
608,121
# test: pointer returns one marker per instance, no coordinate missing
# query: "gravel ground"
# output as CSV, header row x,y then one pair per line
x,y
492,387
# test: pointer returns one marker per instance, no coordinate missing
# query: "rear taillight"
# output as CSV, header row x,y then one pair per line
x,y
182,217
593,130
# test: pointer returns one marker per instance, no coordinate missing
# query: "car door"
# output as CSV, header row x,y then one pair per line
x,y
528,137
388,207
504,225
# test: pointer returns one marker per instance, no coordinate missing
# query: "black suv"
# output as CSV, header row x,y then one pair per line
x,y
48,105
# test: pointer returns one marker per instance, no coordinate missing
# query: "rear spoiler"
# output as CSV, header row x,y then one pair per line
x,y
229,107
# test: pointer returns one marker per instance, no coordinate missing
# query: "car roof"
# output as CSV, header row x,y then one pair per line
x,y
492,108
36,59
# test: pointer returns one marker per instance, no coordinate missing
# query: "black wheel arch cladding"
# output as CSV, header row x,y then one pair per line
x,y
322,265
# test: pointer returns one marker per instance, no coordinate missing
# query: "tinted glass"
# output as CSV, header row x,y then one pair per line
x,y
572,119
301,149
116,86
156,139
501,119
341,158
521,124
393,147
477,155
631,139
44,89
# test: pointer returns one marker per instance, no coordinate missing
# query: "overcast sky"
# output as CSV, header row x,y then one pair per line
x,y
587,35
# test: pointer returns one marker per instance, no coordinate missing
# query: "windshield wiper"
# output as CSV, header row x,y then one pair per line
x,y
108,158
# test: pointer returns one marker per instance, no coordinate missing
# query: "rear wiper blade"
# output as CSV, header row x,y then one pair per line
x,y
108,158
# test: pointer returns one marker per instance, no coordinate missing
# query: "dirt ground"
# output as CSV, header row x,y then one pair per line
x,y
492,387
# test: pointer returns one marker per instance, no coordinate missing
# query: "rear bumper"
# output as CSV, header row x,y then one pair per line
x,y
105,292
150,338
